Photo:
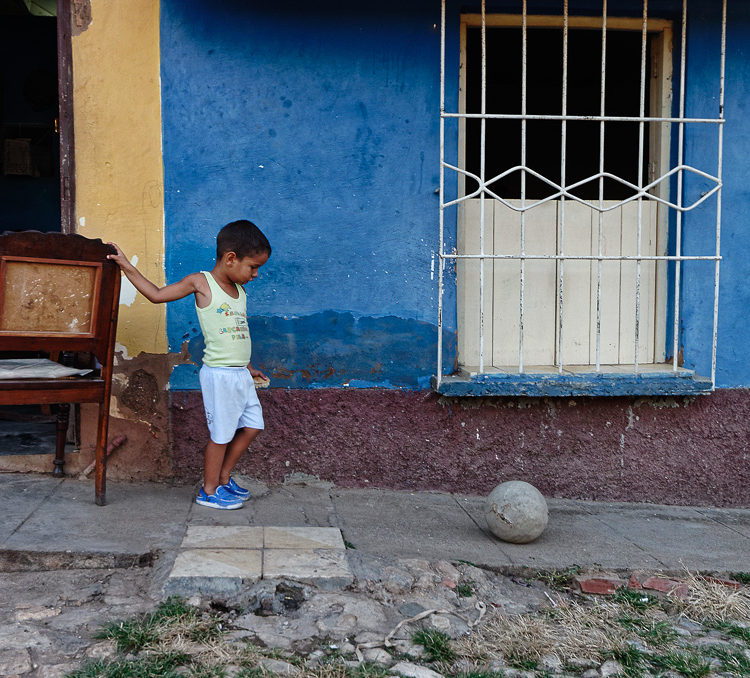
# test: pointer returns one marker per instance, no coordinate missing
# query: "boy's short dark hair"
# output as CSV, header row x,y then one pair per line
x,y
243,238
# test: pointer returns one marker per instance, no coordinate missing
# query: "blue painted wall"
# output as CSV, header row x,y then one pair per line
x,y
733,368
320,122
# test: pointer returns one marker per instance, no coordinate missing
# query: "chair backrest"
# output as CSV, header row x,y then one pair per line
x,y
57,293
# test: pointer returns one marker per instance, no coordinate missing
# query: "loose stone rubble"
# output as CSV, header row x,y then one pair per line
x,y
48,619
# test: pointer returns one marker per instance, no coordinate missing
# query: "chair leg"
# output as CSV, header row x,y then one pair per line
x,y
77,425
100,483
63,414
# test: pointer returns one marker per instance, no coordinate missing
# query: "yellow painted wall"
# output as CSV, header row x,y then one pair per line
x,y
119,170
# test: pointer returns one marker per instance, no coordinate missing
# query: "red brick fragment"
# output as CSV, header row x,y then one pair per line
x,y
664,585
600,585
681,590
633,583
726,582
660,584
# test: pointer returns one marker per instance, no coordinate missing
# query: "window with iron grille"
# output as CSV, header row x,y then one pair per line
x,y
568,194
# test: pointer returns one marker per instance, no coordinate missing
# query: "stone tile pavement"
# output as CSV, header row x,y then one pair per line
x,y
221,560
46,518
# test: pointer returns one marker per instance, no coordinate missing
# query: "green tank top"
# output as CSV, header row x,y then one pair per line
x,y
224,326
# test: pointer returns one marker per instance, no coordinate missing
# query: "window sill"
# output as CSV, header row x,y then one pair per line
x,y
546,380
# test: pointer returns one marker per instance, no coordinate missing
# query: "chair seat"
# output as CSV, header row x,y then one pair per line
x,y
50,391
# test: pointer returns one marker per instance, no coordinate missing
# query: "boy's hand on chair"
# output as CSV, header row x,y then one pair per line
x,y
120,259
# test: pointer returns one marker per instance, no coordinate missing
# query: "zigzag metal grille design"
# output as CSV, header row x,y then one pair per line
x,y
677,200
566,192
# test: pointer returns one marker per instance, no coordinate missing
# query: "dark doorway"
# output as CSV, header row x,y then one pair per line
x,y
29,139
34,51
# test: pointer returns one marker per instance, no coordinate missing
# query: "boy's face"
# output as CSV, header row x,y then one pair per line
x,y
245,270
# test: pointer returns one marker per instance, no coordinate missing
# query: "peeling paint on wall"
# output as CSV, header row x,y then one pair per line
x,y
128,292
331,349
121,351
140,411
81,16
142,393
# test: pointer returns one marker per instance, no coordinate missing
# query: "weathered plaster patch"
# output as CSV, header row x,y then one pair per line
x,y
142,393
665,402
127,290
121,352
139,410
331,349
81,16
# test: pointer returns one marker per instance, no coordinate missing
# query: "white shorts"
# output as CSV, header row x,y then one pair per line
x,y
230,401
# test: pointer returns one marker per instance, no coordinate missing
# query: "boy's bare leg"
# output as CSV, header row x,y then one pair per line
x,y
213,461
236,448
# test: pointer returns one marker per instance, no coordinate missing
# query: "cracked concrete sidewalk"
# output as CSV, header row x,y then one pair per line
x,y
50,522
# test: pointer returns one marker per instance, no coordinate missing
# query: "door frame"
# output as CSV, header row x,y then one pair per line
x,y
65,117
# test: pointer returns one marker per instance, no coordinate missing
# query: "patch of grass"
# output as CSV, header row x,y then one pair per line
x,y
740,632
339,670
480,674
656,633
131,635
732,661
367,670
632,660
164,665
173,607
295,660
206,671
465,590
570,631
741,577
709,601
251,672
523,663
638,600
172,618
560,580
436,644
349,545
174,640
88,670
688,664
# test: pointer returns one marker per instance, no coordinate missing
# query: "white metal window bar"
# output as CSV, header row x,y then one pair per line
x,y
563,192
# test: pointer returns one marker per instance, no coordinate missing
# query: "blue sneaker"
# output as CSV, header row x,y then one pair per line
x,y
221,499
237,491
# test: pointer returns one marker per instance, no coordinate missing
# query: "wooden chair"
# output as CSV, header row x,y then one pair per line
x,y
59,297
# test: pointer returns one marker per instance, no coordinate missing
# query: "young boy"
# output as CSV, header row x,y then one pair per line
x,y
233,411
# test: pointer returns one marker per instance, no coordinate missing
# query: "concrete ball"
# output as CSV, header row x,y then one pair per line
x,y
516,512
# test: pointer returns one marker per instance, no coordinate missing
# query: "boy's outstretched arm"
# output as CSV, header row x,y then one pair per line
x,y
157,295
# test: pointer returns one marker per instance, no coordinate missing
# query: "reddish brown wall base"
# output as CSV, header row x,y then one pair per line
x,y
672,451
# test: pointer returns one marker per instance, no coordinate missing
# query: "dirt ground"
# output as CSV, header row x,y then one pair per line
x,y
412,618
